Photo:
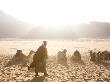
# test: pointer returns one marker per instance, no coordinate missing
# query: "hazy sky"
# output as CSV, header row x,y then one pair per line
x,y
57,12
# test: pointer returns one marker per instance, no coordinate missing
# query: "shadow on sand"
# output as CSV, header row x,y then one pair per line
x,y
37,79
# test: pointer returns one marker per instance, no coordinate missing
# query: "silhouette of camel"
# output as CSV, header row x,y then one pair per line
x,y
76,58
13,61
61,57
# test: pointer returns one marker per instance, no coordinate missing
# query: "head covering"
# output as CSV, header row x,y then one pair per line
x,y
44,41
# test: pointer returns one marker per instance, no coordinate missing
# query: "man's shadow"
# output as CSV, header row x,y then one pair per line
x,y
37,79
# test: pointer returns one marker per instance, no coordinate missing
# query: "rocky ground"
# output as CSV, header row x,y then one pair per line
x,y
87,72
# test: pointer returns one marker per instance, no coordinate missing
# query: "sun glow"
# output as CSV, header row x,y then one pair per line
x,y
57,12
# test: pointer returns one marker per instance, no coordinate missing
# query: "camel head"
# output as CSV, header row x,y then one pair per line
x,y
31,52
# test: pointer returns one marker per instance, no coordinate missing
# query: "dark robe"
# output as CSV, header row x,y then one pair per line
x,y
39,59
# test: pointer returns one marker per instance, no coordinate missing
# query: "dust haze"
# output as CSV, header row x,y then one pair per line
x,y
77,35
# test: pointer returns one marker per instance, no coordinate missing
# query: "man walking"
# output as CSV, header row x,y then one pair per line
x,y
39,60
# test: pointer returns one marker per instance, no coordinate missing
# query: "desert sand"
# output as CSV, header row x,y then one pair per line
x,y
74,72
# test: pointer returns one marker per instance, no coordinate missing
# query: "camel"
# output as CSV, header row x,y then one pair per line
x,y
61,56
76,57
20,58
28,58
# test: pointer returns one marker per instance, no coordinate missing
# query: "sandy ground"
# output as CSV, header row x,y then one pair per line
x,y
76,72
87,72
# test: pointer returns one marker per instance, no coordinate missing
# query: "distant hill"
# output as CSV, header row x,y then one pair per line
x,y
91,30
11,27
51,33
94,30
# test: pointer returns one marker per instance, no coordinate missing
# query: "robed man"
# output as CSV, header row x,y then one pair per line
x,y
39,59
